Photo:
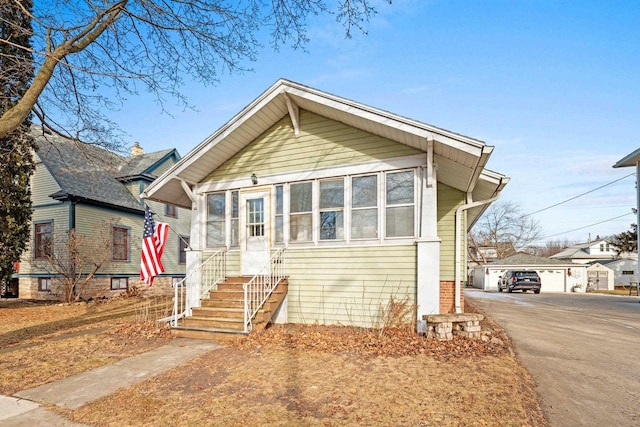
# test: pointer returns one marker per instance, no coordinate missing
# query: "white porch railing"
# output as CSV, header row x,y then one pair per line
x,y
260,287
211,272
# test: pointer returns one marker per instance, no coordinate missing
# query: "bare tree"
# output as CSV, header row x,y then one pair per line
x,y
91,55
73,259
551,247
505,229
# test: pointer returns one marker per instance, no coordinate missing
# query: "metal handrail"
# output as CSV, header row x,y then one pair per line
x,y
212,271
260,287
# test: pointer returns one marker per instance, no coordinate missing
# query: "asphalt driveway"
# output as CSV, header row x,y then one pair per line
x,y
582,349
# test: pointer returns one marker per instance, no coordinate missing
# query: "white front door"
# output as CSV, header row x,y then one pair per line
x,y
255,230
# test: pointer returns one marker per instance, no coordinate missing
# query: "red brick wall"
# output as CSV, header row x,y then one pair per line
x,y
448,297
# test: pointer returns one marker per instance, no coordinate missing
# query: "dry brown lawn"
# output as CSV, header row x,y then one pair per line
x,y
283,376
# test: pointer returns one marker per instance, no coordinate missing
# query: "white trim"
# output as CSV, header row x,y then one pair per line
x,y
408,162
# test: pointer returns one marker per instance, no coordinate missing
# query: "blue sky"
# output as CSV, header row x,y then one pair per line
x,y
553,85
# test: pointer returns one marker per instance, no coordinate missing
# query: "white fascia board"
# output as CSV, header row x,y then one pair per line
x,y
628,160
215,138
457,141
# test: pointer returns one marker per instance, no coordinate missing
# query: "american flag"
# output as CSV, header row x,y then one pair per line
x,y
154,238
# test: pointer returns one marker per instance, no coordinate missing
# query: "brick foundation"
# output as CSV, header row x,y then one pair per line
x,y
448,297
97,288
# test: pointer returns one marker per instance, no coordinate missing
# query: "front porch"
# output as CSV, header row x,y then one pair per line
x,y
209,302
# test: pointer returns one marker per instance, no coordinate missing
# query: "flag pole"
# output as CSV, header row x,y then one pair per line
x,y
170,228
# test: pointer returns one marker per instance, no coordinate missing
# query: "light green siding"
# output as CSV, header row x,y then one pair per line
x,y
449,199
134,188
348,285
164,166
42,186
322,143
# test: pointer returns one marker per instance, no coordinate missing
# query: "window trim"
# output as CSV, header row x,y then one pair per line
x,y
42,288
386,205
127,244
170,211
184,243
38,252
119,288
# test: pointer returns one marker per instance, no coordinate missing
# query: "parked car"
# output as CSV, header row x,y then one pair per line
x,y
523,280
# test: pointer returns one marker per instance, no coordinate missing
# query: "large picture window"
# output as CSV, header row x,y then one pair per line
x,y
216,219
364,207
400,204
43,246
301,206
120,243
332,209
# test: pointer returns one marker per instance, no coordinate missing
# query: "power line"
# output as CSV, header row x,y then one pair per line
x,y
586,226
579,195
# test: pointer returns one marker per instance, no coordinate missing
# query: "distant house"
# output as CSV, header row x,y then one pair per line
x,y
556,275
600,253
95,192
359,205
584,253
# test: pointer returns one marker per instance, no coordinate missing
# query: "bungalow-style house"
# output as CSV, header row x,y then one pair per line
x,y
350,207
555,275
92,194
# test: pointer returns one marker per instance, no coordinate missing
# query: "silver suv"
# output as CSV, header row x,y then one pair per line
x,y
522,280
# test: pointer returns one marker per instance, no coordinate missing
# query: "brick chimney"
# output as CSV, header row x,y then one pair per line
x,y
136,150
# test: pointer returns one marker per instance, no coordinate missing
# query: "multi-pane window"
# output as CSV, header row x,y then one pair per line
x,y
255,217
364,207
119,283
44,284
216,219
332,209
300,209
235,219
182,249
279,215
400,204
171,211
120,243
43,240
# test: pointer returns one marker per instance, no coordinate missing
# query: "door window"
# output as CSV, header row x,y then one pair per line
x,y
255,217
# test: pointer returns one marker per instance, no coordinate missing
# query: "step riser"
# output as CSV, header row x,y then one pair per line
x,y
212,312
219,303
212,324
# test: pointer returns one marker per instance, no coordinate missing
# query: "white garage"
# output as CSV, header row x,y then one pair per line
x,y
556,276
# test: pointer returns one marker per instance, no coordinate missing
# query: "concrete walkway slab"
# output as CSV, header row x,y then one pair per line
x,y
23,408
75,391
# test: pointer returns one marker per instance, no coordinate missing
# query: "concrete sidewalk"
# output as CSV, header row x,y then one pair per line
x,y
23,408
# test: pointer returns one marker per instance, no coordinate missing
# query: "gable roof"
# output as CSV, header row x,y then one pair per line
x,y
460,159
141,166
526,259
88,173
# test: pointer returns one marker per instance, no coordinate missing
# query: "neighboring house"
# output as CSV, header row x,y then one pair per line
x,y
484,254
623,271
369,206
96,193
583,253
556,275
